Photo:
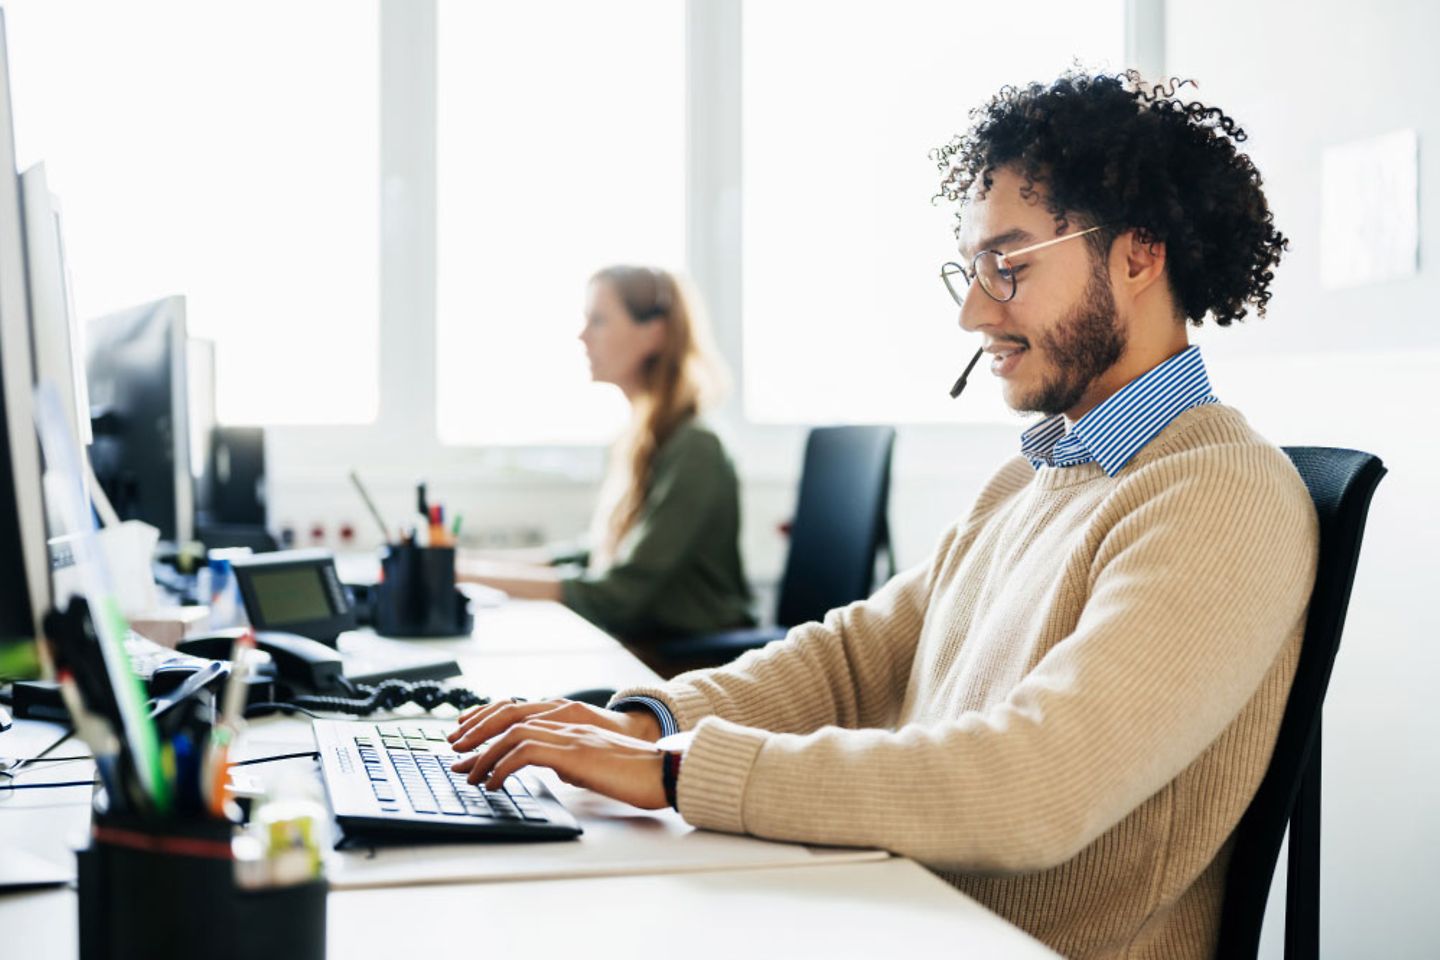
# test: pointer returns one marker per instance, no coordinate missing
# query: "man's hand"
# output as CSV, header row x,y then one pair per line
x,y
479,724
607,762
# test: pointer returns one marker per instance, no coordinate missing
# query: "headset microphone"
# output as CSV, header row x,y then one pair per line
x,y
960,384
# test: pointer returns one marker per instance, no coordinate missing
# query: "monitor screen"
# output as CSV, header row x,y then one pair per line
x,y
135,363
57,336
24,573
292,595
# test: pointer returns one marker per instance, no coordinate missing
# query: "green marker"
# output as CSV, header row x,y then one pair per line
x,y
130,697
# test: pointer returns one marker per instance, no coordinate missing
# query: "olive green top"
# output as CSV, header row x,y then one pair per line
x,y
678,570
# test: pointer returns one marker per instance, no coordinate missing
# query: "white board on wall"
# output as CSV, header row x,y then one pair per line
x,y
1369,210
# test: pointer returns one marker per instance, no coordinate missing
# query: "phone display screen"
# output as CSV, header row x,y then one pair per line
x,y
291,596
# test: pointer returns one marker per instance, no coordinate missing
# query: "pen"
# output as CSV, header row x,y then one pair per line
x,y
187,774
370,505
98,736
455,530
233,699
437,525
217,759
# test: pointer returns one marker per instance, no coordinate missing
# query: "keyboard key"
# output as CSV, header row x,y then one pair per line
x,y
432,733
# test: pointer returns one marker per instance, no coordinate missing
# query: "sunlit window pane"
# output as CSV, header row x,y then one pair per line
x,y
561,149
225,151
845,318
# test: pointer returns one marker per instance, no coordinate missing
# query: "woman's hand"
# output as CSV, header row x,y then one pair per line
x,y
621,767
479,724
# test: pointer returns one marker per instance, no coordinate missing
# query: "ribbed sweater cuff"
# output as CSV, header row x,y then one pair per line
x,y
714,772
687,705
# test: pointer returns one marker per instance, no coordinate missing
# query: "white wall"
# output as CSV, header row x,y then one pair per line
x,y
1352,368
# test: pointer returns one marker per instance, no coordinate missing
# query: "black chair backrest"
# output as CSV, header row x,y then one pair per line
x,y
839,523
1341,483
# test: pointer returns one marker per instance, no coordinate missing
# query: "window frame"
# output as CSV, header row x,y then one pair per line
x,y
404,437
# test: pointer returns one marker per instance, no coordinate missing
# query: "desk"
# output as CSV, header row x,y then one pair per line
x,y
840,909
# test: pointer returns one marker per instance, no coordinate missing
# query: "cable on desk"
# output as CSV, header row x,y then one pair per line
x,y
310,754
10,770
385,695
38,759
25,766
8,787
268,707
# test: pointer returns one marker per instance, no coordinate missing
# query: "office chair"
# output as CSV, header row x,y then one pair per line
x,y
1341,482
839,529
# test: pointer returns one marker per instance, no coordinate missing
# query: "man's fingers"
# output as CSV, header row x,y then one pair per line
x,y
504,744
529,752
473,716
479,714
483,727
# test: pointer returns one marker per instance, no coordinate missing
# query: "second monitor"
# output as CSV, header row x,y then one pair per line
x,y
136,368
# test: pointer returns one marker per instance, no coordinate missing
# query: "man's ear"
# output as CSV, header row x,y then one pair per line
x,y
1140,259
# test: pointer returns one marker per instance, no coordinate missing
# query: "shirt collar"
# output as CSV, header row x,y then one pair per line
x,y
1120,426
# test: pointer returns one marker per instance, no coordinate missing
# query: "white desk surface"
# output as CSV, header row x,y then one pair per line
x,y
860,911
717,904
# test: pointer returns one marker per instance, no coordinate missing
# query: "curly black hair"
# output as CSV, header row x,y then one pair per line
x,y
1113,151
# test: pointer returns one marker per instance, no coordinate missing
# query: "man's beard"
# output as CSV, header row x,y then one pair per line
x,y
1086,343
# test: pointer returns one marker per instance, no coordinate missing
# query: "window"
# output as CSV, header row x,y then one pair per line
x,y
228,152
561,149
841,246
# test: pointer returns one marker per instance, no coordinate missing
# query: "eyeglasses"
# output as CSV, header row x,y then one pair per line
x,y
992,268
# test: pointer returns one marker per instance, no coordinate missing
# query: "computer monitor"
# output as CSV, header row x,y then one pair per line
x,y
135,363
24,573
55,330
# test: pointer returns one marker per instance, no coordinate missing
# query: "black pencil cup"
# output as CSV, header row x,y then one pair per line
x,y
416,596
152,895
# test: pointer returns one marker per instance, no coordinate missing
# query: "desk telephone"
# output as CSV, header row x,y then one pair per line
x,y
298,607
301,675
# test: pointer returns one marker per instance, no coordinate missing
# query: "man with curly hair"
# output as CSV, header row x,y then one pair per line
x,y
1065,710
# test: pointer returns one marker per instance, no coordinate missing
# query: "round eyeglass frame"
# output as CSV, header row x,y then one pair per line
x,y
950,269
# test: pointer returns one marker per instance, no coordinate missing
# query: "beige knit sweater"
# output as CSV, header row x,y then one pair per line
x,y
1064,712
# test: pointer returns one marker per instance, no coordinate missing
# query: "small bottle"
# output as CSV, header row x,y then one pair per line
x,y
222,595
219,596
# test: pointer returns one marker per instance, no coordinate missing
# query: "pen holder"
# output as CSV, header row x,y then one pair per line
x,y
416,595
150,895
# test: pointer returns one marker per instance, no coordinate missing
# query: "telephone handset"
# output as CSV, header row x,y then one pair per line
x,y
299,662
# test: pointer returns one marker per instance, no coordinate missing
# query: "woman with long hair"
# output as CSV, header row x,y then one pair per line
x,y
664,557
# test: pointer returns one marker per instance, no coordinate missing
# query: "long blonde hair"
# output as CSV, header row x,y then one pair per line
x,y
679,381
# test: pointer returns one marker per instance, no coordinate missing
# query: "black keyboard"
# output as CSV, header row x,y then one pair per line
x,y
394,779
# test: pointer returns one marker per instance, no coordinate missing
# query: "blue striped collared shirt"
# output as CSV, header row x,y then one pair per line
x,y
1117,429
